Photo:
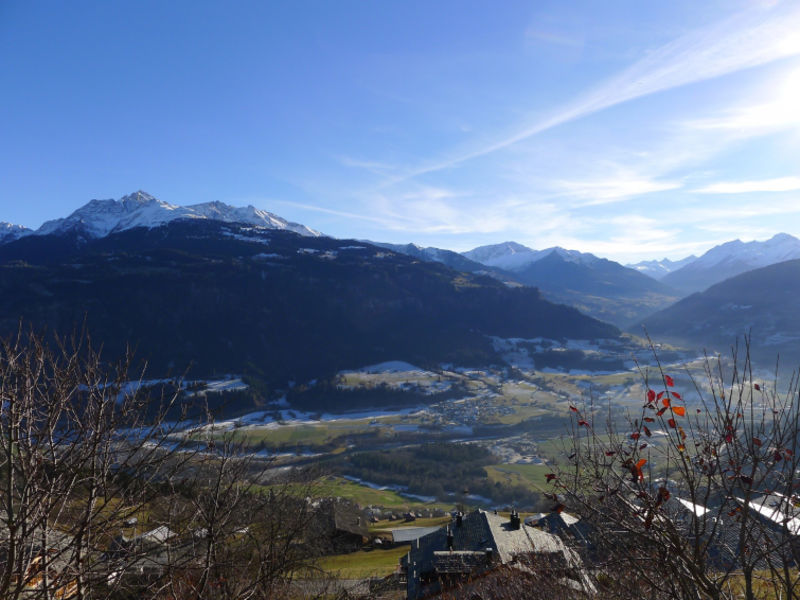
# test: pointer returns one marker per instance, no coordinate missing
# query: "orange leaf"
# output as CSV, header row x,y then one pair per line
x,y
679,410
665,401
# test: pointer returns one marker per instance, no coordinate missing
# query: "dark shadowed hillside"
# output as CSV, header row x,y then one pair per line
x,y
602,288
764,301
233,298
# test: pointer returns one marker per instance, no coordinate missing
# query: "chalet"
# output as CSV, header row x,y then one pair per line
x,y
480,543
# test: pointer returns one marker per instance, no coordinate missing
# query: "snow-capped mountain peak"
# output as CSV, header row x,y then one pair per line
x,y
778,248
98,218
660,268
512,256
10,232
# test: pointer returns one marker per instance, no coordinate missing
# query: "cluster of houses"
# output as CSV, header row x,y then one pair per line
x,y
473,548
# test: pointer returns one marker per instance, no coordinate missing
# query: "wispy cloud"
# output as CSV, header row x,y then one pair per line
x,y
749,39
780,184
605,191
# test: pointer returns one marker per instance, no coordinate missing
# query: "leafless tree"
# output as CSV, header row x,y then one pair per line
x,y
690,497
102,497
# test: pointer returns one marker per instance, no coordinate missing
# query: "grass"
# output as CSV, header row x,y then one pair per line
x,y
367,496
363,563
320,434
531,476
384,525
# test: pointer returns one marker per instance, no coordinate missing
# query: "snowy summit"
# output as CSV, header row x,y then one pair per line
x,y
99,218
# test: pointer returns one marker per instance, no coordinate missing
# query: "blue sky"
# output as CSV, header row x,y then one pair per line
x,y
624,128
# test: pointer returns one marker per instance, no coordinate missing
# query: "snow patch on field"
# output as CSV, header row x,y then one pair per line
x,y
390,366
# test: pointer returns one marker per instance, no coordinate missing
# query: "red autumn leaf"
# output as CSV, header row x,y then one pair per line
x,y
663,493
583,423
671,423
665,402
679,410
649,419
758,387
676,395
659,395
651,395
756,442
550,477
729,438
573,409
635,435
637,469
643,446
669,381
661,412
787,452
647,431
558,508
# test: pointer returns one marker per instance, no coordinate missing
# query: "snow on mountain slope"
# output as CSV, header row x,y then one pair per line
x,y
755,254
731,259
660,268
512,256
10,232
99,218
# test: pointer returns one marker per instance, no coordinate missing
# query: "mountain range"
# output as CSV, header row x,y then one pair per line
x,y
73,266
599,287
761,302
100,218
255,298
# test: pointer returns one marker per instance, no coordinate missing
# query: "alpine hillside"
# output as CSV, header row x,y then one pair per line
x,y
221,296
732,258
762,302
597,286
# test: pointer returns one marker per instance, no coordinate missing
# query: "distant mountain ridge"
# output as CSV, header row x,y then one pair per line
x,y
99,218
761,301
599,287
731,259
10,232
454,260
658,269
